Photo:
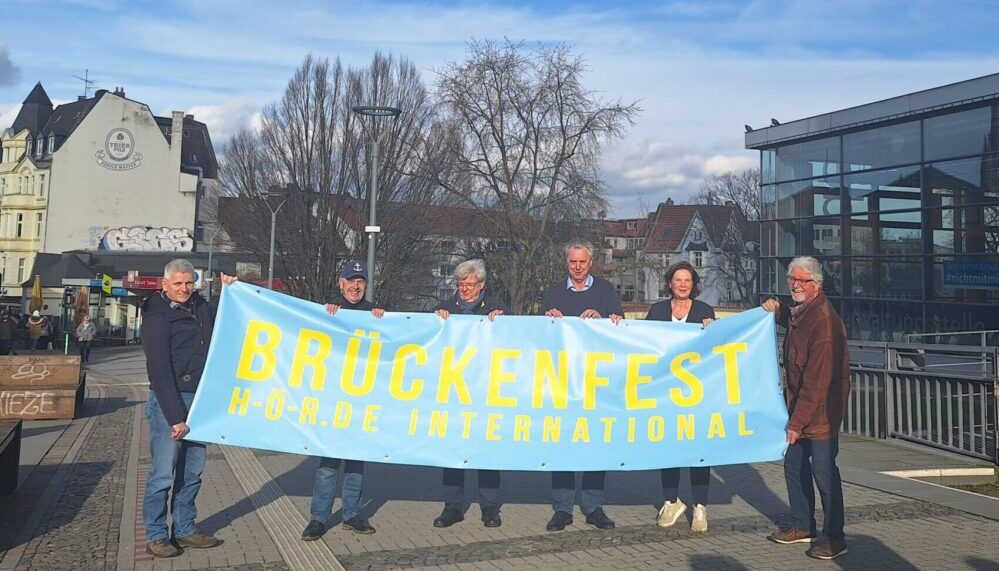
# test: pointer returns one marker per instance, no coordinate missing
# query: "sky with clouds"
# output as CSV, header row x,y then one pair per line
x,y
699,70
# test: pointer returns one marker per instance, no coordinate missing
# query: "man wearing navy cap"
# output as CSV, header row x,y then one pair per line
x,y
353,283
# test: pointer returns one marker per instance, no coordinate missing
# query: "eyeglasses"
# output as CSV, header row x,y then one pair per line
x,y
800,281
464,285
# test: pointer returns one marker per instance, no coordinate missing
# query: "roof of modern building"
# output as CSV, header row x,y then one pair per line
x,y
953,95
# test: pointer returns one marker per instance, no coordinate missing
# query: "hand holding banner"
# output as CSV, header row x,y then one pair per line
x,y
519,393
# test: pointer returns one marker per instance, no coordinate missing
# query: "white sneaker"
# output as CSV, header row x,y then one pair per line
x,y
670,513
700,523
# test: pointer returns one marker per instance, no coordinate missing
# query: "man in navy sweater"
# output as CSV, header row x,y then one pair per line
x,y
580,295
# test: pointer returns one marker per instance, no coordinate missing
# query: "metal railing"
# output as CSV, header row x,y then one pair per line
x,y
942,396
986,338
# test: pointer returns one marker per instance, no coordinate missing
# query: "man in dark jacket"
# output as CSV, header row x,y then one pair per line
x,y
8,328
817,390
587,296
353,283
471,299
176,330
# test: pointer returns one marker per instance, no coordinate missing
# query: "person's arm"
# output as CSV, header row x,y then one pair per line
x,y
155,335
816,378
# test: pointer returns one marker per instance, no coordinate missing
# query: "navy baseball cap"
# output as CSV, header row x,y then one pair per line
x,y
353,269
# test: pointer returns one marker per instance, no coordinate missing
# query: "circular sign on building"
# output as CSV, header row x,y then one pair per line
x,y
119,151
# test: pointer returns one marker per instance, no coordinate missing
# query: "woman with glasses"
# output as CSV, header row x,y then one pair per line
x,y
681,307
471,299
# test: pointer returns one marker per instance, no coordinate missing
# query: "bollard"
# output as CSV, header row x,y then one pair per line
x,y
65,350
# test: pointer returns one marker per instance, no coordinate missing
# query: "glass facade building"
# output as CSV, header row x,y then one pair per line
x,y
899,200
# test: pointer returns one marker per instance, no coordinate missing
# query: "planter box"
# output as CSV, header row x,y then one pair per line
x,y
41,387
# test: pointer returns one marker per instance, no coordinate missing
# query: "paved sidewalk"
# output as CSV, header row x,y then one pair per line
x,y
78,508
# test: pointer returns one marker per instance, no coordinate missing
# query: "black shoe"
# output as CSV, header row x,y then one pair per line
x,y
358,524
491,518
558,521
599,520
314,530
449,517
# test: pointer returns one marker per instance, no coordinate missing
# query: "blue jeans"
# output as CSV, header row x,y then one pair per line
x,y
808,461
564,490
173,465
324,490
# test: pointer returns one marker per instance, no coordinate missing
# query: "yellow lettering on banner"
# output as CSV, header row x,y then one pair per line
x,y
657,428
413,416
492,425
466,428
370,417
692,382
453,375
633,378
497,376
731,351
241,399
590,378
608,425
552,429
253,347
522,428
631,429
557,380
275,404
308,413
374,358
717,427
399,369
342,413
685,427
438,423
743,431
350,367
581,433
302,358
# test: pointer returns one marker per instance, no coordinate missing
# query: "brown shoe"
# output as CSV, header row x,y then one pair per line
x,y
198,540
162,548
789,536
827,549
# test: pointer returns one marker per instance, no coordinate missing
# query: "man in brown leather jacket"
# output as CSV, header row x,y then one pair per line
x,y
817,389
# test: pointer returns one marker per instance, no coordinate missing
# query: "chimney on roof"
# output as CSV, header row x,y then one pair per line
x,y
119,91
669,201
100,93
729,203
176,138
189,116
81,97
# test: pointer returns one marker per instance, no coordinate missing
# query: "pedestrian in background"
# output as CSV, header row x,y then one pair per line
x,y
38,330
85,334
817,391
8,330
177,326
684,285
470,298
583,295
353,284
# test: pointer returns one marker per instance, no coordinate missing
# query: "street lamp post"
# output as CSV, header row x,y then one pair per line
x,y
373,111
270,264
211,270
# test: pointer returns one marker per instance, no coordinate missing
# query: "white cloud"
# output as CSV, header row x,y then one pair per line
x,y
7,114
9,72
228,118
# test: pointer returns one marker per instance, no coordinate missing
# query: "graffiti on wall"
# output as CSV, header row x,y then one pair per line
x,y
147,238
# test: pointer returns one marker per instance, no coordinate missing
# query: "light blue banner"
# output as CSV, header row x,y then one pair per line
x,y
520,393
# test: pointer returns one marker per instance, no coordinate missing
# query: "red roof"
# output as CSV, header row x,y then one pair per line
x,y
670,223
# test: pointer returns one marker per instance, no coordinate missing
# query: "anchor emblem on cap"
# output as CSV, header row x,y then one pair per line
x,y
357,266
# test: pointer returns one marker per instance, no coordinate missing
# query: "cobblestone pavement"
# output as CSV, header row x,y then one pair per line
x,y
80,510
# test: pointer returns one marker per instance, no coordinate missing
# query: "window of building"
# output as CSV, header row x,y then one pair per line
x,y
20,269
666,233
19,225
444,270
883,147
959,134
3,185
631,225
628,294
38,224
808,160
41,185
51,144
39,146
697,259
28,151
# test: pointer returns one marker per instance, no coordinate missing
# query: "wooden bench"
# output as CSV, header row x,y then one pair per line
x,y
41,387
10,454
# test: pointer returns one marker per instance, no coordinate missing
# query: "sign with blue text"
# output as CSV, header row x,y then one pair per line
x,y
517,393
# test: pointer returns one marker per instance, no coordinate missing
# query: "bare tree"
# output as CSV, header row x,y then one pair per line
x,y
312,147
738,261
521,143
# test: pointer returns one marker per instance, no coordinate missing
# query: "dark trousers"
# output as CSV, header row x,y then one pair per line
x,y
6,346
808,461
564,491
84,350
700,477
454,490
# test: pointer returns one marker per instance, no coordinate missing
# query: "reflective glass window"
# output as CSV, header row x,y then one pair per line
x,y
881,320
882,147
978,294
768,238
894,240
807,160
768,165
974,229
959,134
901,278
808,236
861,235
964,181
863,279
890,189
769,202
815,197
